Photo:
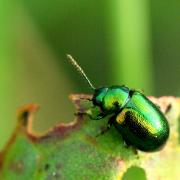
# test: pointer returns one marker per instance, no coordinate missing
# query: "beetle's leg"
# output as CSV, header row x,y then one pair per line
x,y
169,107
110,122
127,145
87,99
98,117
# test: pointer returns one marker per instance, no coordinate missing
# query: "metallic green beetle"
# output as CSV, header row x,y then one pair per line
x,y
137,119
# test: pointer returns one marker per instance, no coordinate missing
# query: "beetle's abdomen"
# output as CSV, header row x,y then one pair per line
x,y
142,124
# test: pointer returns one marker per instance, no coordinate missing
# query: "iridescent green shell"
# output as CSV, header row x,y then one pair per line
x,y
140,122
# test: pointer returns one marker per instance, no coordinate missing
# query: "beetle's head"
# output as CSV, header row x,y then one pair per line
x,y
98,96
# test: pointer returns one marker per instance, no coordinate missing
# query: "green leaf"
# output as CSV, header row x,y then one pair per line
x,y
72,151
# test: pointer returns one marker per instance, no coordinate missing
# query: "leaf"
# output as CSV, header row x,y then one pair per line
x,y
72,151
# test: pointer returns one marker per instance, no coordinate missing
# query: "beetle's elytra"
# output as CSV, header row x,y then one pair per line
x,y
139,121
136,118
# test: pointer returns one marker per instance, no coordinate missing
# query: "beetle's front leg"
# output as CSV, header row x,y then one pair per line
x,y
98,117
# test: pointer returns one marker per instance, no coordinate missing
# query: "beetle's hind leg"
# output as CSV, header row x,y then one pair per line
x,y
169,107
128,145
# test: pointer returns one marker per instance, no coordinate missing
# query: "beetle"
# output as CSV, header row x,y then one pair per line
x,y
136,118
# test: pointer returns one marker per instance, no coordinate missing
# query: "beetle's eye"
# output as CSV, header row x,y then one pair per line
x,y
99,95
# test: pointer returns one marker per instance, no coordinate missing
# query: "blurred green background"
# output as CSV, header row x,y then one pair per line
x,y
131,42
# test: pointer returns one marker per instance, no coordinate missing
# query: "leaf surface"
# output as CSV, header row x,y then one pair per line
x,y
72,151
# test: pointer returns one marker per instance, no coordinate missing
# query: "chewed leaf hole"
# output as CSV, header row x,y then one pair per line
x,y
134,172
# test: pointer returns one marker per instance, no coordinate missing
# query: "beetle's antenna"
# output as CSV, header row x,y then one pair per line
x,y
80,70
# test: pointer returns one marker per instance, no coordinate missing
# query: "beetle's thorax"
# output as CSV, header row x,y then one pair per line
x,y
111,99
